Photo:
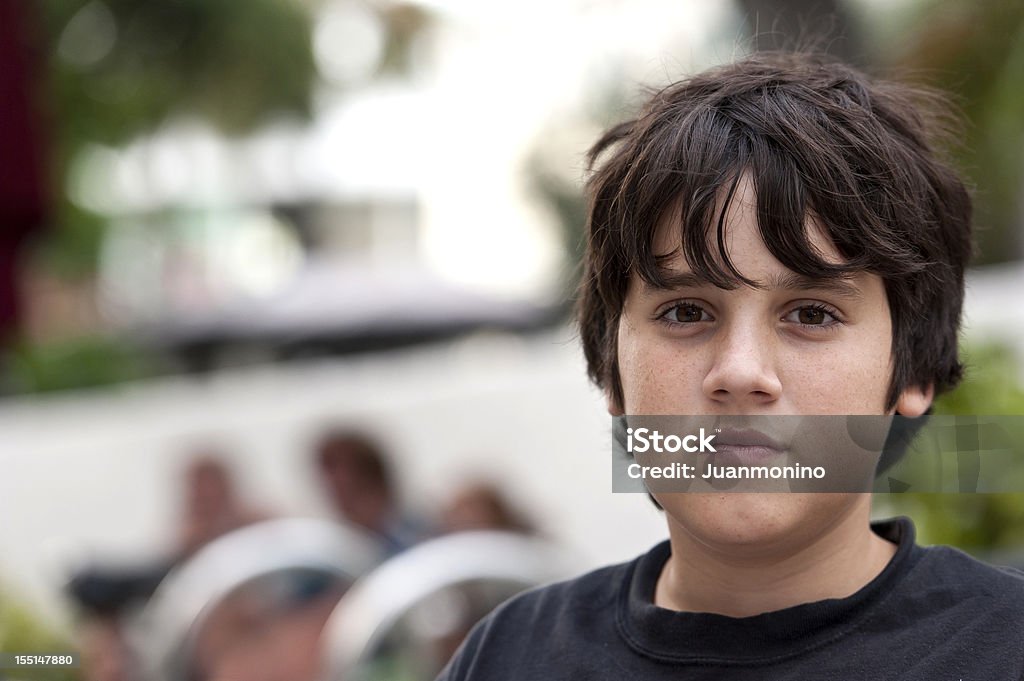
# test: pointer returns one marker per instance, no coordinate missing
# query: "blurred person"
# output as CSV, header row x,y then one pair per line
x,y
106,595
211,508
106,654
359,483
269,630
482,506
776,236
211,504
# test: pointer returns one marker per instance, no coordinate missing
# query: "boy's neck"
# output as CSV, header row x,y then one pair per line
x,y
837,564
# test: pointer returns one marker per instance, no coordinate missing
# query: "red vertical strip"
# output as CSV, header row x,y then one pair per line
x,y
23,178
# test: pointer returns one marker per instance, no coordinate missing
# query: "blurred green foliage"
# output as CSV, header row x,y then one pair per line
x,y
21,632
74,364
117,69
975,50
980,523
992,384
232,63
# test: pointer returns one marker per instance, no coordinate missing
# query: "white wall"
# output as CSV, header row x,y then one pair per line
x,y
96,474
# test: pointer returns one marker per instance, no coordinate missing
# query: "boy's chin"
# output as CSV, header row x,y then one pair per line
x,y
755,525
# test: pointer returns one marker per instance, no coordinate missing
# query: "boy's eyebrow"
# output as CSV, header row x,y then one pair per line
x,y
789,281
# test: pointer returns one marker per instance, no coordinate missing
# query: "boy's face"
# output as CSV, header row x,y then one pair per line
x,y
790,347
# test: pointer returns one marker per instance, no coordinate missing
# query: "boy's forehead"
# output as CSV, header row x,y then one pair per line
x,y
668,246
741,233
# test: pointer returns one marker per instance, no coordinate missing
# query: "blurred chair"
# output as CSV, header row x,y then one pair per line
x,y
251,604
404,620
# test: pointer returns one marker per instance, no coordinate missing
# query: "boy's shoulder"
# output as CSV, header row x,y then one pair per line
x,y
944,569
939,569
602,622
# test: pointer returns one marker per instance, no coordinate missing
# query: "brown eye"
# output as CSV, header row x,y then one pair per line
x,y
812,315
686,314
689,313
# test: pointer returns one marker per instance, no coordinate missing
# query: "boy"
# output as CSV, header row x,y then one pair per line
x,y
773,237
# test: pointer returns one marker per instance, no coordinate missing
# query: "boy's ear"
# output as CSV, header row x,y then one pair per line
x,y
914,401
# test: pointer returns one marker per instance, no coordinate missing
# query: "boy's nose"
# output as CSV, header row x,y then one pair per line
x,y
743,374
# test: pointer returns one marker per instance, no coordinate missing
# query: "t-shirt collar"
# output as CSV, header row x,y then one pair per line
x,y
717,639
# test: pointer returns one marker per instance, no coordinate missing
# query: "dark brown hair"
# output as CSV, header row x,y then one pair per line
x,y
358,452
818,139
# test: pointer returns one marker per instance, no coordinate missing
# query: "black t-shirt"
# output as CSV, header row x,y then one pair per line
x,y
934,614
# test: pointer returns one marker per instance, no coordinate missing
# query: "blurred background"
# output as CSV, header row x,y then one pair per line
x,y
314,259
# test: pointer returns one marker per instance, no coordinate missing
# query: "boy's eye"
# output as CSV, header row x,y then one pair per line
x,y
811,315
686,313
